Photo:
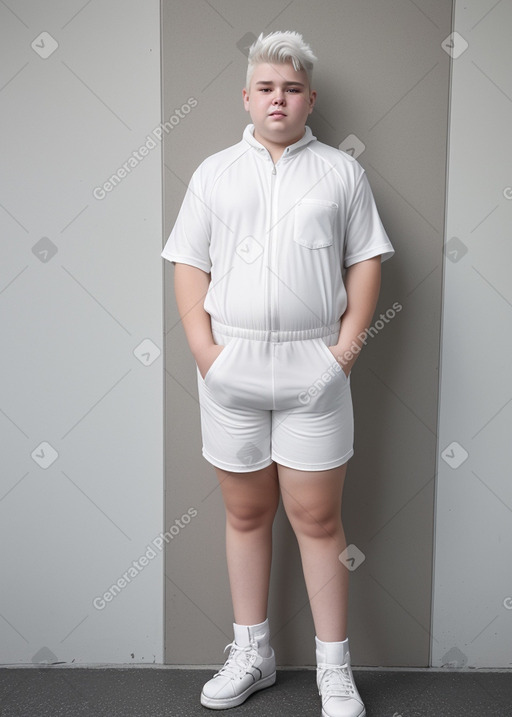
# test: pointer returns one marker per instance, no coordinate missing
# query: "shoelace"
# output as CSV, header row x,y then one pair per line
x,y
335,681
239,660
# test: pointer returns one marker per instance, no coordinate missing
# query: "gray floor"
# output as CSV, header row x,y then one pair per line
x,y
146,692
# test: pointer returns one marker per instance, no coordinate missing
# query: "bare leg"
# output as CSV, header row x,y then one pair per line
x,y
251,500
312,501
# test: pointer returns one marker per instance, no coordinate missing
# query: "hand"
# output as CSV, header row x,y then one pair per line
x,y
205,359
345,367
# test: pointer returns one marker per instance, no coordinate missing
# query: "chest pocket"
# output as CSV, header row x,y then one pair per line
x,y
314,223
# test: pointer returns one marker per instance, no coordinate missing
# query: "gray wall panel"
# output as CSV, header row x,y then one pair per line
x,y
81,399
472,615
382,75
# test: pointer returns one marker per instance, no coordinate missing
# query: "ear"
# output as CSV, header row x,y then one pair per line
x,y
312,100
245,96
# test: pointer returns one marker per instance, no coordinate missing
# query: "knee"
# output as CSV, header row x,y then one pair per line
x,y
246,517
316,523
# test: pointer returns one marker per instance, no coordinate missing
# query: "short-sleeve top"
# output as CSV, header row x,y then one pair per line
x,y
276,238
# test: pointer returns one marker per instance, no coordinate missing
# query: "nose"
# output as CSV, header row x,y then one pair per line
x,y
279,98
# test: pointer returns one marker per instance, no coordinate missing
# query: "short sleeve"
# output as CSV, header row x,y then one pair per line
x,y
365,236
189,240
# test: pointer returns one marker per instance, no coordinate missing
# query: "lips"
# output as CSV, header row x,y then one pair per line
x,y
277,113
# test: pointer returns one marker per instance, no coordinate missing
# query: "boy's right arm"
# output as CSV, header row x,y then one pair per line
x,y
190,287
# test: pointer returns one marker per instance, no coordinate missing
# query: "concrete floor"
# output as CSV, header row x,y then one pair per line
x,y
162,691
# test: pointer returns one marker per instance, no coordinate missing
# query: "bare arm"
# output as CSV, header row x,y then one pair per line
x,y
362,283
190,287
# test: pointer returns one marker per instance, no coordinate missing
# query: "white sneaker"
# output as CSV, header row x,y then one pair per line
x,y
244,672
335,682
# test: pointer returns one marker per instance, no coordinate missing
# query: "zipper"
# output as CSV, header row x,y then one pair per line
x,y
272,254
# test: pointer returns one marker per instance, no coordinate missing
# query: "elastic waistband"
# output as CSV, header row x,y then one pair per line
x,y
275,336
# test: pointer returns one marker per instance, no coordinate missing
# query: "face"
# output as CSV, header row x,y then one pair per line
x,y
279,101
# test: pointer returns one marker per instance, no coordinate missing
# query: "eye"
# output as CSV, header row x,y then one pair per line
x,y
293,89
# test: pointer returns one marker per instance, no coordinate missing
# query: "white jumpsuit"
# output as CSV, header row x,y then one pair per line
x,y
275,239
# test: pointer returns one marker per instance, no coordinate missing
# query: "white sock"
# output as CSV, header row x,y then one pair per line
x,y
260,632
332,653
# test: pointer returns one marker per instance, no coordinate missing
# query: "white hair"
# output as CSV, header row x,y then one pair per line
x,y
280,47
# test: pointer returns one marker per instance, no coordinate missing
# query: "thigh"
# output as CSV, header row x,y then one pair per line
x,y
250,494
312,498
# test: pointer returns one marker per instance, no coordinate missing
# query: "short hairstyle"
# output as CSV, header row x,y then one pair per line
x,y
281,47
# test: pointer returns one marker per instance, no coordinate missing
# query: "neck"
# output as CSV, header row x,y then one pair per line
x,y
275,149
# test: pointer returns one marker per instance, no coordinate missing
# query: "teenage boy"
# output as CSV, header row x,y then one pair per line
x,y
278,249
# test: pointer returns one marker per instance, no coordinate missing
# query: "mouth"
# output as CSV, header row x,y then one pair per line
x,y
277,113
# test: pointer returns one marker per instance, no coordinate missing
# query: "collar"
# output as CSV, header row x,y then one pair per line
x,y
307,137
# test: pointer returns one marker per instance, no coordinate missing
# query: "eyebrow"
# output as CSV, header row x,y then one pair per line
x,y
271,82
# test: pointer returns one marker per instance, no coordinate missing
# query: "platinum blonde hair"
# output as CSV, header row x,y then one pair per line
x,y
280,47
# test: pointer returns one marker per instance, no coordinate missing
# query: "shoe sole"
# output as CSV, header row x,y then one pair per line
x,y
362,714
224,704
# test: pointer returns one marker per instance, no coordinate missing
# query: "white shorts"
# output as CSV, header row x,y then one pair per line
x,y
276,396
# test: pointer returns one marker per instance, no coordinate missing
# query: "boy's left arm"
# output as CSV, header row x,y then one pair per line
x,y
362,284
